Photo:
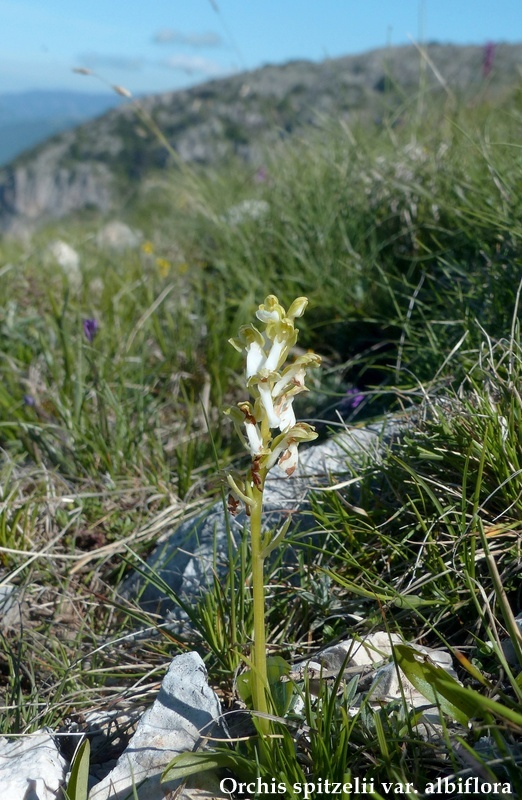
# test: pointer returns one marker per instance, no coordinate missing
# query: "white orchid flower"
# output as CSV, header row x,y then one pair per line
x,y
284,447
243,414
271,310
263,383
253,342
285,411
289,460
295,374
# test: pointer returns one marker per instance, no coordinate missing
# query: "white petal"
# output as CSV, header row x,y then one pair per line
x,y
286,414
295,374
256,358
289,460
274,356
267,316
255,443
265,396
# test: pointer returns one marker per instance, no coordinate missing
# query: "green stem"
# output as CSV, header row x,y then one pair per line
x,y
259,679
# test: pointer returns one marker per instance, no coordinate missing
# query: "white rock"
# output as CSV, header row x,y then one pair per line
x,y
31,768
373,649
186,708
380,683
117,236
66,257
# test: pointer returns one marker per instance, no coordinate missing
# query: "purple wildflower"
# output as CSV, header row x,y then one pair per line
x,y
355,398
488,58
29,400
90,328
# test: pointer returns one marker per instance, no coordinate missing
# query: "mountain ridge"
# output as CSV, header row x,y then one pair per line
x,y
30,117
237,116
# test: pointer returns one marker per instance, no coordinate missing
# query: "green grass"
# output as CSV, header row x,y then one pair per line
x,y
407,240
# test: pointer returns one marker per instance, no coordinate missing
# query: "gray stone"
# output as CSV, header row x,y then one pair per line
x,y
11,607
117,236
31,767
185,710
509,648
109,731
366,656
381,682
187,558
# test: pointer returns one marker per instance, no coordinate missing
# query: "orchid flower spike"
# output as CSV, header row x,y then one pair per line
x,y
272,387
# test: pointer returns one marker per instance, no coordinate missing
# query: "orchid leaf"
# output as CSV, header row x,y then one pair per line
x,y
438,687
78,785
186,764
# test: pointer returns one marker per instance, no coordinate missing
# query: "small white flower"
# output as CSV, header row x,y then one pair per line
x,y
255,442
285,411
265,395
292,375
295,374
256,359
252,342
276,355
267,316
271,310
289,460
284,447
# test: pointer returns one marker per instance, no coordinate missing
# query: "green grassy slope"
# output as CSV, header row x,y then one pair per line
x,y
407,239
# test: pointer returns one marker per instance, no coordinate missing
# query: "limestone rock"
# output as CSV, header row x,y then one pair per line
x,y
185,709
31,767
381,681
11,607
45,188
117,236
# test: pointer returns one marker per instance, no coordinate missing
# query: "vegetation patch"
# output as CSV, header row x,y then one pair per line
x,y
406,238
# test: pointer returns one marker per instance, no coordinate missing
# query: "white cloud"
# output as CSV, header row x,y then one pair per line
x,y
194,64
171,36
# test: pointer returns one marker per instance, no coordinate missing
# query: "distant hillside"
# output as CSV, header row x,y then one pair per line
x,y
28,118
93,164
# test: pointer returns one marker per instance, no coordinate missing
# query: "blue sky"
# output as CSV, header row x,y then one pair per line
x,y
158,45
